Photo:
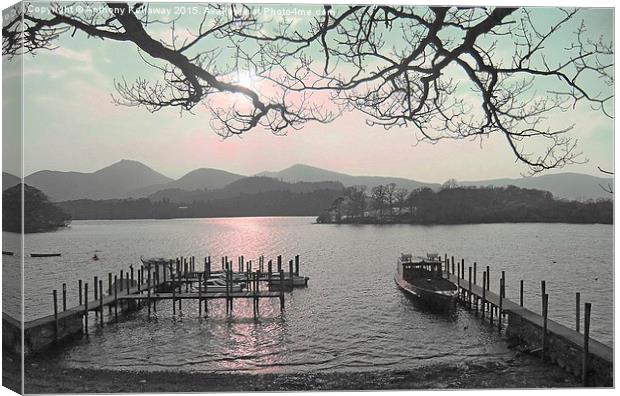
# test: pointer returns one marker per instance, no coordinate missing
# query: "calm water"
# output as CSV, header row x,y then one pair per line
x,y
351,317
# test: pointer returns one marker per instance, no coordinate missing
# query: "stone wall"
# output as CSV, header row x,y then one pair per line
x,y
560,351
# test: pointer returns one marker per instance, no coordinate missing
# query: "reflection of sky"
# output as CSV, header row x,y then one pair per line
x,y
85,135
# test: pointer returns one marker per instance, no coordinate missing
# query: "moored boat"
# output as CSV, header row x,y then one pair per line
x,y
421,277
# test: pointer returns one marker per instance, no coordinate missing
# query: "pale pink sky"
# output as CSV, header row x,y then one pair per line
x,y
71,124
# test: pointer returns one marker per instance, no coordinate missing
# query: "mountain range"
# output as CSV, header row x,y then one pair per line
x,y
132,179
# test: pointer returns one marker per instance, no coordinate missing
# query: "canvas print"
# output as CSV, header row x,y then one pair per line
x,y
206,197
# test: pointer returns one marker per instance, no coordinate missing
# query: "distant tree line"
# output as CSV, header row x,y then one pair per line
x,y
270,203
40,214
454,204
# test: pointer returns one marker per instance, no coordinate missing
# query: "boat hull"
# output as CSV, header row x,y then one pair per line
x,y
445,301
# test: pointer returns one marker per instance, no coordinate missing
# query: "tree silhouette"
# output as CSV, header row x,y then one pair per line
x,y
441,71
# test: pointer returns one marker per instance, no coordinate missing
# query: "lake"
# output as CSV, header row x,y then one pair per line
x,y
351,316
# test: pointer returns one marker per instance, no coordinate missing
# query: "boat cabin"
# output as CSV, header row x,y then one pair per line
x,y
429,267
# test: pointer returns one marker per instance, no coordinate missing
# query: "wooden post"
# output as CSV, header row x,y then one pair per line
x,y
115,298
488,278
101,303
54,294
109,291
491,307
64,297
469,290
200,294
121,284
521,292
545,308
458,282
174,295
586,343
279,263
290,268
227,294
542,290
80,292
484,289
501,299
269,270
86,308
132,279
577,313
95,285
297,264
281,291
148,293
475,272
452,265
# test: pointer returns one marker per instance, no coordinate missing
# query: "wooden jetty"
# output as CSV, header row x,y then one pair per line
x,y
576,352
156,280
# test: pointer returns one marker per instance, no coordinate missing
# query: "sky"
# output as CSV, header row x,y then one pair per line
x,y
72,124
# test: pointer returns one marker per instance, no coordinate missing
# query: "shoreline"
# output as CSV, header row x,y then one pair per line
x,y
46,375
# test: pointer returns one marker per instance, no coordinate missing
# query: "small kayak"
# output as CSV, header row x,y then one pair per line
x,y
44,254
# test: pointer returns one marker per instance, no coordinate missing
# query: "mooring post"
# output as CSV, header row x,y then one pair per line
x,y
545,308
297,264
458,282
115,298
101,303
469,290
55,296
491,309
279,263
501,299
290,268
121,283
109,291
227,293
132,278
543,288
484,289
586,343
475,272
577,313
64,297
281,290
200,295
521,292
95,285
80,292
174,294
488,278
452,265
86,308
148,293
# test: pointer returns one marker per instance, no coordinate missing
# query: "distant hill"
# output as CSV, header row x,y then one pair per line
x,y
300,172
244,186
198,179
114,181
9,180
573,186
132,179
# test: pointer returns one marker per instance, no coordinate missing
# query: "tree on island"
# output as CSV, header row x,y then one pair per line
x,y
40,214
453,204
445,72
